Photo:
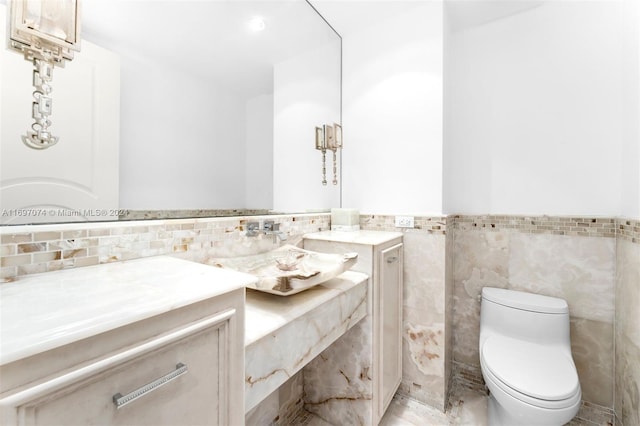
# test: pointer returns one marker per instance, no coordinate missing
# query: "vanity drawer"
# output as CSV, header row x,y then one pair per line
x,y
180,377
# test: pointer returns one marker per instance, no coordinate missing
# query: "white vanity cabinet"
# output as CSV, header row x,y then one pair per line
x,y
380,256
389,325
150,342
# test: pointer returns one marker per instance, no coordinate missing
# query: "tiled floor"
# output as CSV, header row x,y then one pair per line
x,y
466,407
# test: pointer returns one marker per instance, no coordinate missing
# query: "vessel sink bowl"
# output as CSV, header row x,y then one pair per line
x,y
289,269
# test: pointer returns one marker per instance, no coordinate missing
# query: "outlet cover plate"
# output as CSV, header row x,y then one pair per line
x,y
404,222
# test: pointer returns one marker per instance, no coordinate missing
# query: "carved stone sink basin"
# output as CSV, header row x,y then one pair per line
x,y
289,269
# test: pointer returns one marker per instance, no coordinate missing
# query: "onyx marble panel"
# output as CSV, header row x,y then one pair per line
x,y
627,325
580,270
481,260
425,370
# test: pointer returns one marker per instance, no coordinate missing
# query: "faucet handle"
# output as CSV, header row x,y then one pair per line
x,y
253,229
270,225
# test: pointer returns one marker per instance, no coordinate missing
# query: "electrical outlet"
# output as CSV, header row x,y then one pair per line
x,y
404,221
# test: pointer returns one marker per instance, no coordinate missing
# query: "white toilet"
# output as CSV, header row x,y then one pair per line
x,y
525,356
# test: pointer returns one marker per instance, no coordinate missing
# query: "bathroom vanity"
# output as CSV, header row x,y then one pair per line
x,y
365,396
148,341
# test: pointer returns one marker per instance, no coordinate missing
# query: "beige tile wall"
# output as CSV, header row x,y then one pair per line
x,y
449,259
577,259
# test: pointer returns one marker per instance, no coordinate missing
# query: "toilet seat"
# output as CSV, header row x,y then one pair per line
x,y
543,376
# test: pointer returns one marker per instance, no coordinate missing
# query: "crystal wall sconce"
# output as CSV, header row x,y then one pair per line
x,y
329,138
46,32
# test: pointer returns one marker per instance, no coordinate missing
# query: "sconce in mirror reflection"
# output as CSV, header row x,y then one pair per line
x,y
329,138
46,32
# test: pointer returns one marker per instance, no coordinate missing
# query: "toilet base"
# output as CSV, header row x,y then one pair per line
x,y
499,416
496,416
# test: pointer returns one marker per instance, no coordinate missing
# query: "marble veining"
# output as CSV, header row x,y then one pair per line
x,y
426,348
45,311
338,382
297,329
577,269
426,356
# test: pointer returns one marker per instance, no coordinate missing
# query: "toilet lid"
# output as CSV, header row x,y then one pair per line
x,y
542,372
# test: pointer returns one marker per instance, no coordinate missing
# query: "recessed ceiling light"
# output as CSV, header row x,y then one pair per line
x,y
256,24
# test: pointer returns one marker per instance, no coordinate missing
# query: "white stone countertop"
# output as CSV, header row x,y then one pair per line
x,y
355,237
265,313
44,311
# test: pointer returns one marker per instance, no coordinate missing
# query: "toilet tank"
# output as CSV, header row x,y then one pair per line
x,y
527,316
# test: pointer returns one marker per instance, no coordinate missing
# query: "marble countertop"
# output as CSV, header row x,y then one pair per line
x,y
266,313
373,238
44,311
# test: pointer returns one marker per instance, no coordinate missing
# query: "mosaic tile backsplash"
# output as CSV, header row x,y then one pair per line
x,y
42,248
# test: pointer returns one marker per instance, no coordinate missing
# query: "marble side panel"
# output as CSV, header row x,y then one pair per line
x,y
580,270
291,396
592,350
627,325
424,275
448,330
628,291
338,383
281,407
424,374
265,413
481,259
628,382
423,369
274,357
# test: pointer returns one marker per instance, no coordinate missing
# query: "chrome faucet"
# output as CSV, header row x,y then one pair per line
x,y
253,229
272,228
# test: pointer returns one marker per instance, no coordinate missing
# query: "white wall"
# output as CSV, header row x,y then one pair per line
x,y
259,153
180,139
306,95
535,114
630,188
392,104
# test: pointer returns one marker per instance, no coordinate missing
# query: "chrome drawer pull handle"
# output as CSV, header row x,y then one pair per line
x,y
120,401
392,259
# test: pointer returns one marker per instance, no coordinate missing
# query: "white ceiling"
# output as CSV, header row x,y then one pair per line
x,y
463,14
347,15
208,37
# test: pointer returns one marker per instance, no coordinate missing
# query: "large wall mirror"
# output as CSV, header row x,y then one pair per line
x,y
177,108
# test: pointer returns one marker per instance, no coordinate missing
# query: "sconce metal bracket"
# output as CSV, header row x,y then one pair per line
x,y
46,32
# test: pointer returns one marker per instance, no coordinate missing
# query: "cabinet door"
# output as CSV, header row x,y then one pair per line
x,y
181,377
390,323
